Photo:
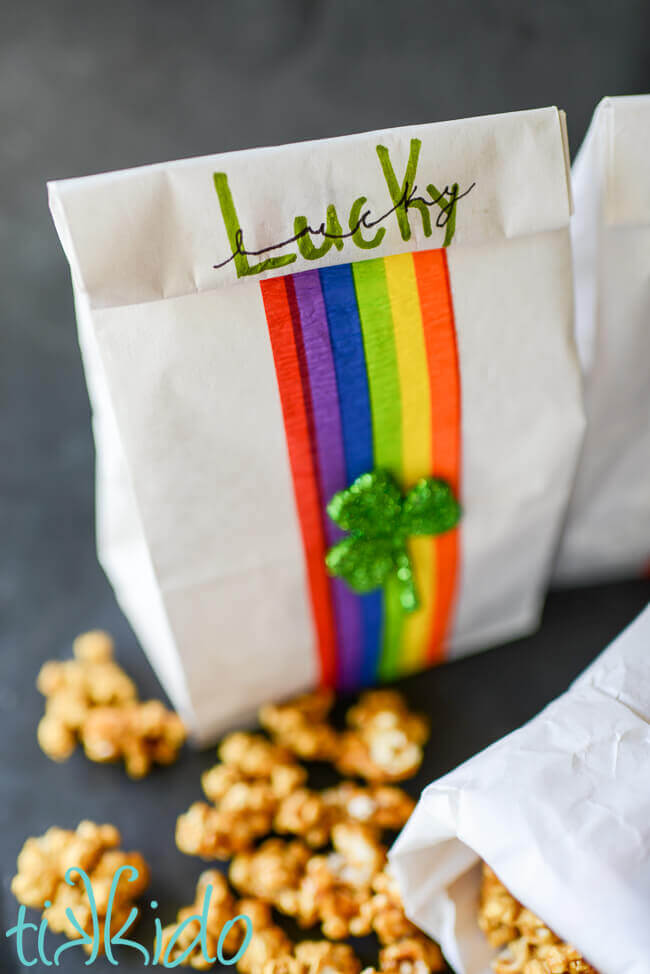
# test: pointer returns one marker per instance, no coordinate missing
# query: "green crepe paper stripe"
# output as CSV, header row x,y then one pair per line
x,y
385,402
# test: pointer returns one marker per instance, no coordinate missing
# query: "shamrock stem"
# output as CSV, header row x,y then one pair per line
x,y
408,595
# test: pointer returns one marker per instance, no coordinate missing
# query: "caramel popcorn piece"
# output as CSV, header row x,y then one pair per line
x,y
44,861
316,957
253,754
250,758
140,734
284,964
254,778
218,780
319,957
413,955
286,778
301,725
379,806
335,886
322,957
56,737
243,815
95,646
386,739
561,959
257,911
374,706
517,957
104,873
266,945
530,947
92,700
222,908
384,912
247,787
362,853
312,815
325,896
272,872
305,813
75,686
498,910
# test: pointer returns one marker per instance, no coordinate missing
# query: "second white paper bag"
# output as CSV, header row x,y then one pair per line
x,y
608,528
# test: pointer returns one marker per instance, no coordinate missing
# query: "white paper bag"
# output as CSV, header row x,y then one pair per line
x,y
560,810
608,528
399,301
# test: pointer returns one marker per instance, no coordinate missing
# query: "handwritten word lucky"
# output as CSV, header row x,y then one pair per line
x,y
403,194
101,933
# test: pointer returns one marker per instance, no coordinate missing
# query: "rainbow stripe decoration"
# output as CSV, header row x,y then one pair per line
x,y
367,368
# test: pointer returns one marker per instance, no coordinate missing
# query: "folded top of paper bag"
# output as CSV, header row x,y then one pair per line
x,y
560,810
162,231
625,150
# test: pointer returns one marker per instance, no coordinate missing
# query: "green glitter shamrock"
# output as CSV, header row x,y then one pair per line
x,y
379,521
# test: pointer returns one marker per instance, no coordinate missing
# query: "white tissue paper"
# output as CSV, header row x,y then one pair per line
x,y
560,810
607,532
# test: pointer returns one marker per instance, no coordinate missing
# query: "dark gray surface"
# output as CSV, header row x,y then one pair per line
x,y
90,87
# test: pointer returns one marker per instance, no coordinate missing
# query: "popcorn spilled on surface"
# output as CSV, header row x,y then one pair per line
x,y
90,699
331,870
316,856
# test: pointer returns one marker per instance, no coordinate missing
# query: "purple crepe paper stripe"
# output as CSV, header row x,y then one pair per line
x,y
331,458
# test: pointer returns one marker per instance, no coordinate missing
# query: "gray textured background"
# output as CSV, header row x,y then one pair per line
x,y
90,87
